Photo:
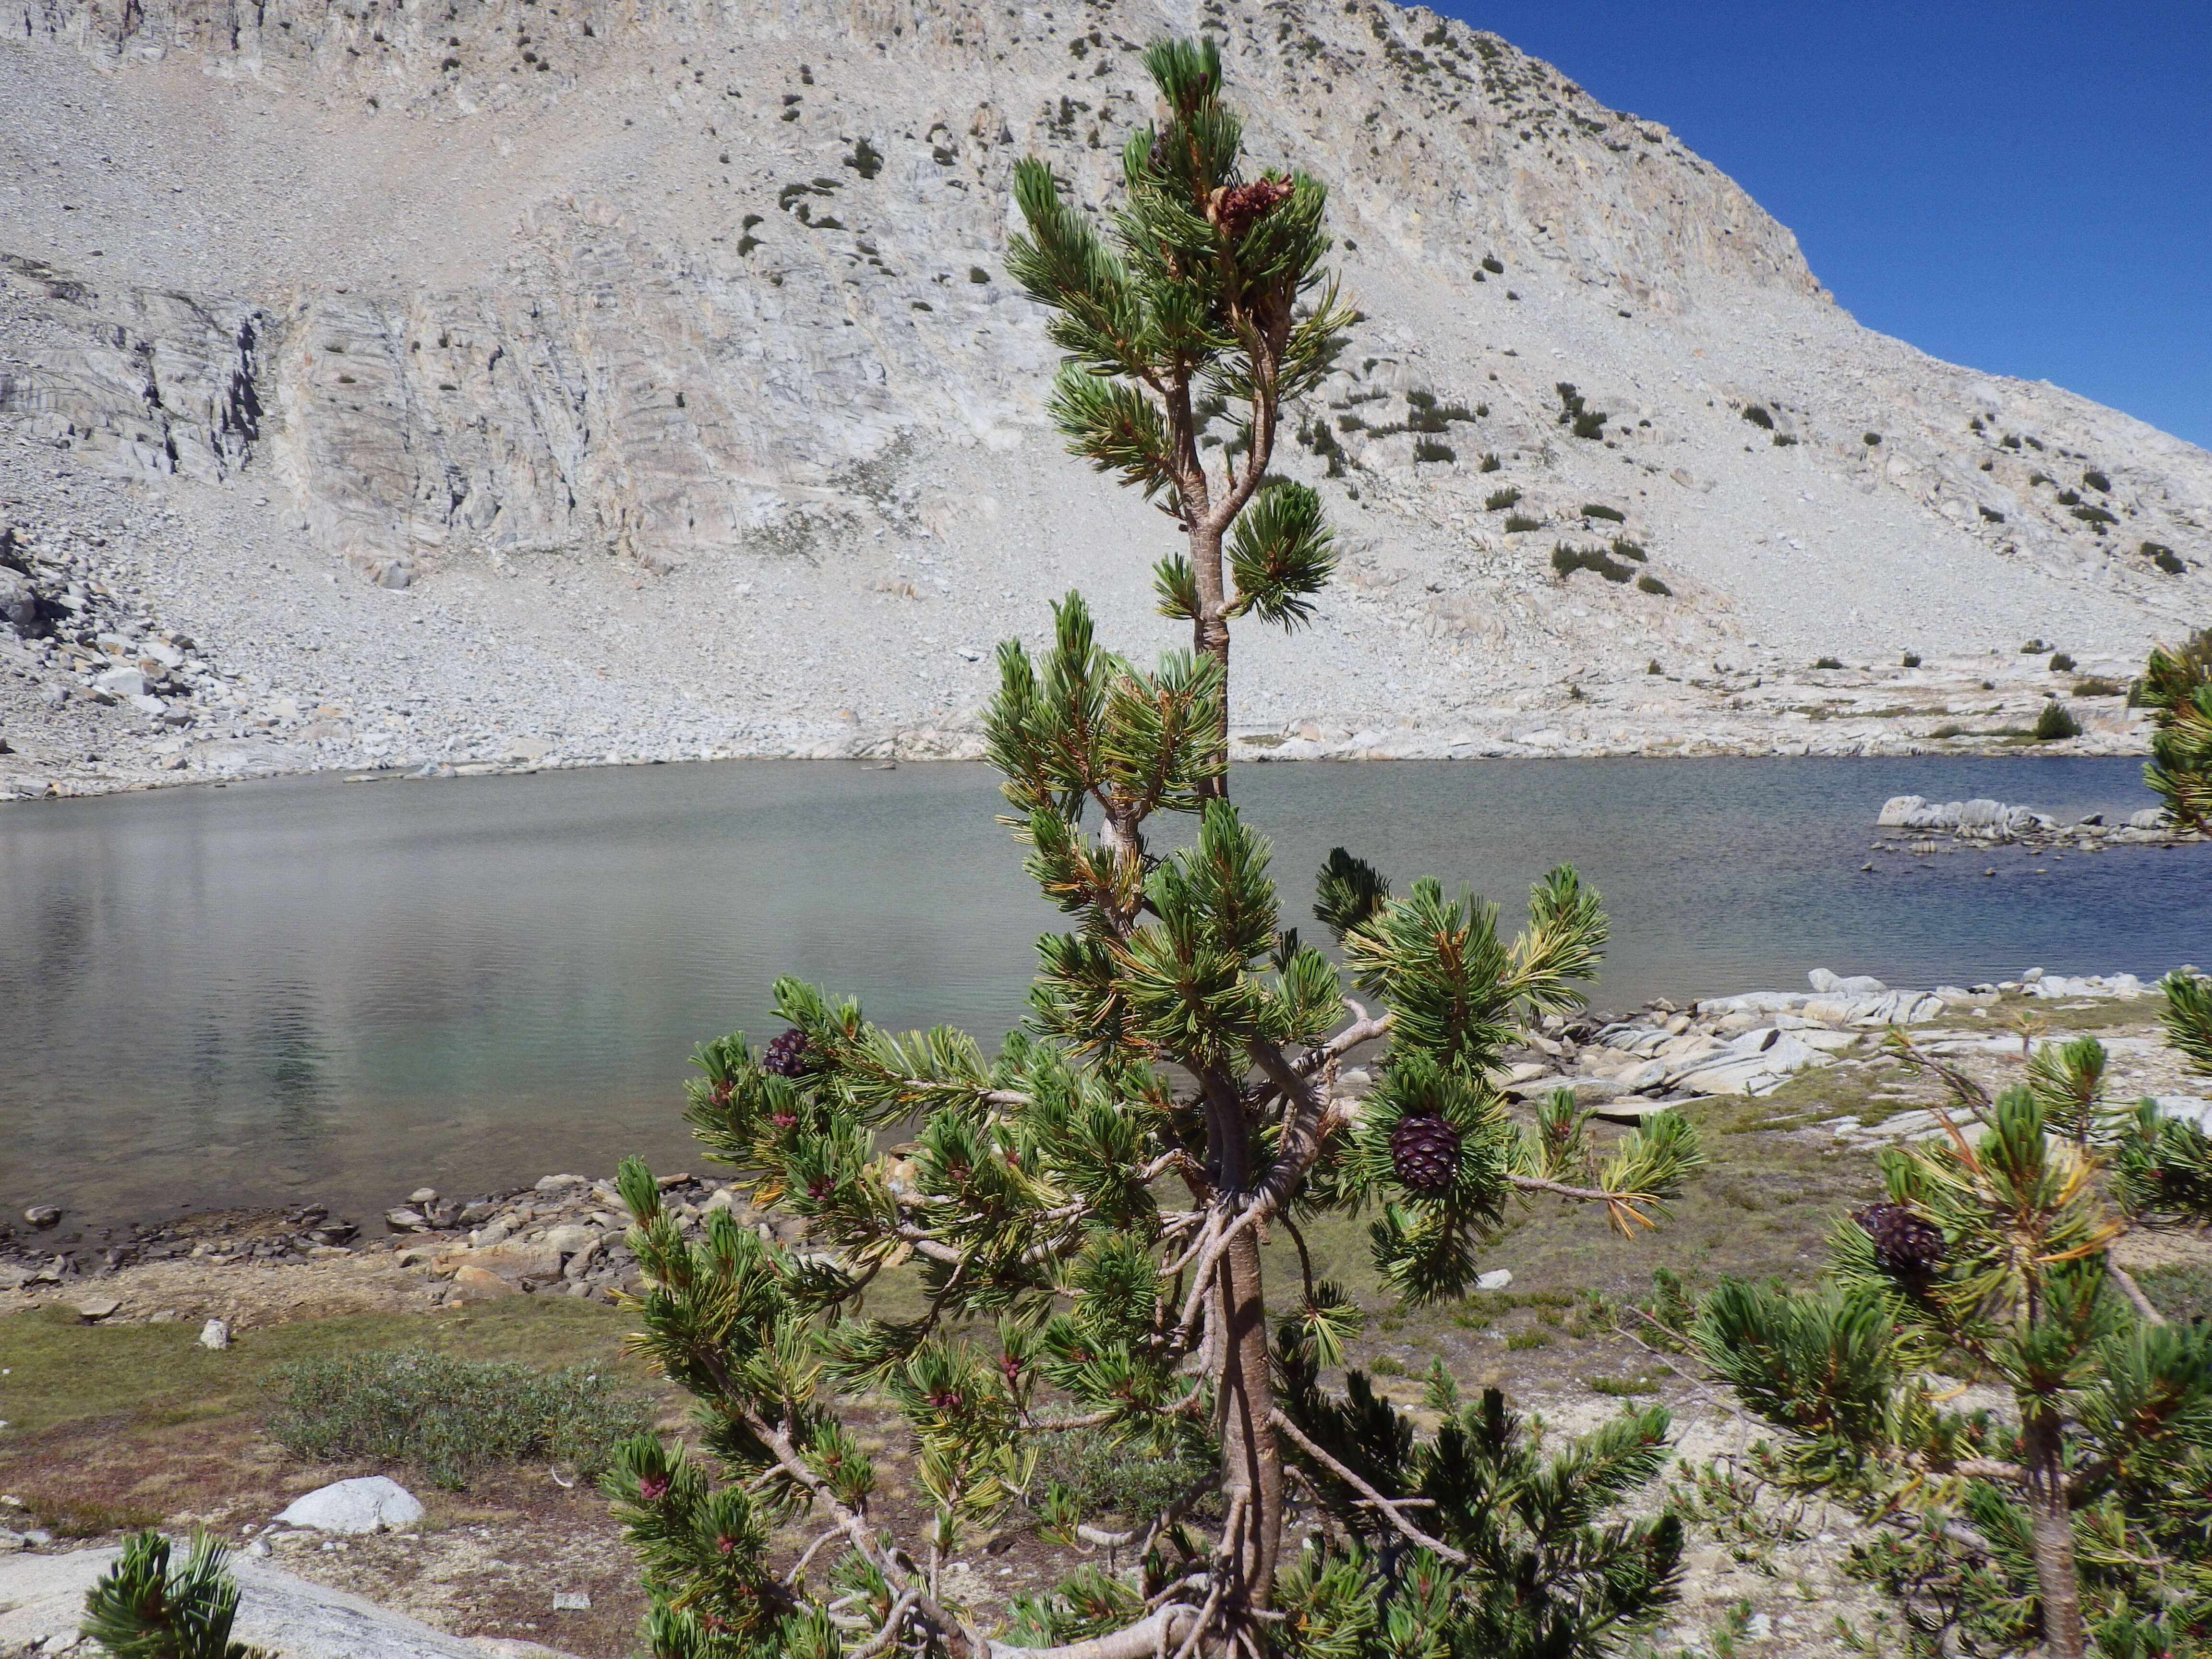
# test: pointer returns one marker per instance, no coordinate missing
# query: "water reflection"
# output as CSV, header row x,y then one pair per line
x,y
306,988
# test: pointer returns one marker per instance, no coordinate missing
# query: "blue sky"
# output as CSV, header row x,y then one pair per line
x,y
2026,189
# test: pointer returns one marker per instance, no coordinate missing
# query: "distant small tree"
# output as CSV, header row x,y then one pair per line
x,y
2082,1516
1081,1219
142,1609
2177,688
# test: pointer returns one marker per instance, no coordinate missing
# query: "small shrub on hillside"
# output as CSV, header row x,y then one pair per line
x,y
1490,463
2056,723
1599,510
1428,449
1590,423
1629,550
1648,583
2096,517
977,274
1912,659
1516,523
2097,686
1827,662
2010,441
1785,440
2069,498
2061,663
1757,415
1653,667
1497,499
1567,560
2097,482
1490,264
1870,439
1990,515
450,1416
2164,557
2034,647
1948,732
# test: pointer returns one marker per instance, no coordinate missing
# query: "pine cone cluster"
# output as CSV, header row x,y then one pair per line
x,y
786,1055
1238,209
1908,1246
1424,1151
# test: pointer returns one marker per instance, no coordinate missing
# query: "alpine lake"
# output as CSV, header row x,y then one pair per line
x,y
306,989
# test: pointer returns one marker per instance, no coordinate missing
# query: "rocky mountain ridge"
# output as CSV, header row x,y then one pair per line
x,y
523,383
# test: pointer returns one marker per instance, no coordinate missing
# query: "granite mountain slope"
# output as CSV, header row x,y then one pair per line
x,y
473,381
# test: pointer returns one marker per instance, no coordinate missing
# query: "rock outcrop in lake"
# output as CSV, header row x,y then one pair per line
x,y
642,382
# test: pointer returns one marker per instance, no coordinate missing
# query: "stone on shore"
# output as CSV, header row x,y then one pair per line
x,y
370,1503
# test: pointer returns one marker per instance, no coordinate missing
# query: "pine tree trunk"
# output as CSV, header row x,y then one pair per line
x,y
1209,632
1251,1462
2051,1533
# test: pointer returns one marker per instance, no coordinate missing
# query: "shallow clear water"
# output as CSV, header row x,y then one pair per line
x,y
304,989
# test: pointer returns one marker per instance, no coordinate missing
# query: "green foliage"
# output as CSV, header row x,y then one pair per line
x,y
1599,510
2177,688
1827,662
1567,560
2164,557
1491,265
1497,499
1757,415
450,1416
1911,659
1527,1552
1649,583
2059,1520
144,1609
1429,450
865,160
1516,523
1492,464
1870,439
2054,723
2061,663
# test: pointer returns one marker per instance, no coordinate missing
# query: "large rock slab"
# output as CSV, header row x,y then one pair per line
x,y
42,1597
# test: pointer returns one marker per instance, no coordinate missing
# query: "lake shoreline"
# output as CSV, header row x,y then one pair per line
x,y
249,761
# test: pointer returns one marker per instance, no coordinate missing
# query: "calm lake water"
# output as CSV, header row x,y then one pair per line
x,y
303,989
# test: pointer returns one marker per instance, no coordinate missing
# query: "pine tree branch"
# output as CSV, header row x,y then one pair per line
x,y
2133,1292
882,1641
1384,1506
1145,1640
1362,1030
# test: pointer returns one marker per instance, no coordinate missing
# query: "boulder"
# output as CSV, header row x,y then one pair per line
x,y
1897,811
515,1261
370,1503
477,1284
2151,817
120,683
215,1334
1858,984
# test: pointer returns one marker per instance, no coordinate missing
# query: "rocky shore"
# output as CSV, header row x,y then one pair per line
x,y
563,1234
1992,822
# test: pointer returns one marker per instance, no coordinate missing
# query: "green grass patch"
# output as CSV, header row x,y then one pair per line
x,y
62,1371
452,1417
2182,1291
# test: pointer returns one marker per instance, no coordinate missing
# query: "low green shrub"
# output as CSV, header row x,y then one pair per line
x,y
1386,1364
2164,557
1912,659
1516,523
2097,482
1653,667
1491,265
2095,516
1428,449
2055,723
1990,515
1757,415
450,1416
1498,500
1870,439
2069,498
1105,1479
1590,423
2061,663
1948,732
977,274
2034,646
1629,550
2096,685
1567,560
1827,662
1522,1341
1648,583
1599,510
1785,440
1490,463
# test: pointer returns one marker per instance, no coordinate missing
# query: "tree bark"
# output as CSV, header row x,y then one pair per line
x,y
1251,1461
2051,1534
1209,635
